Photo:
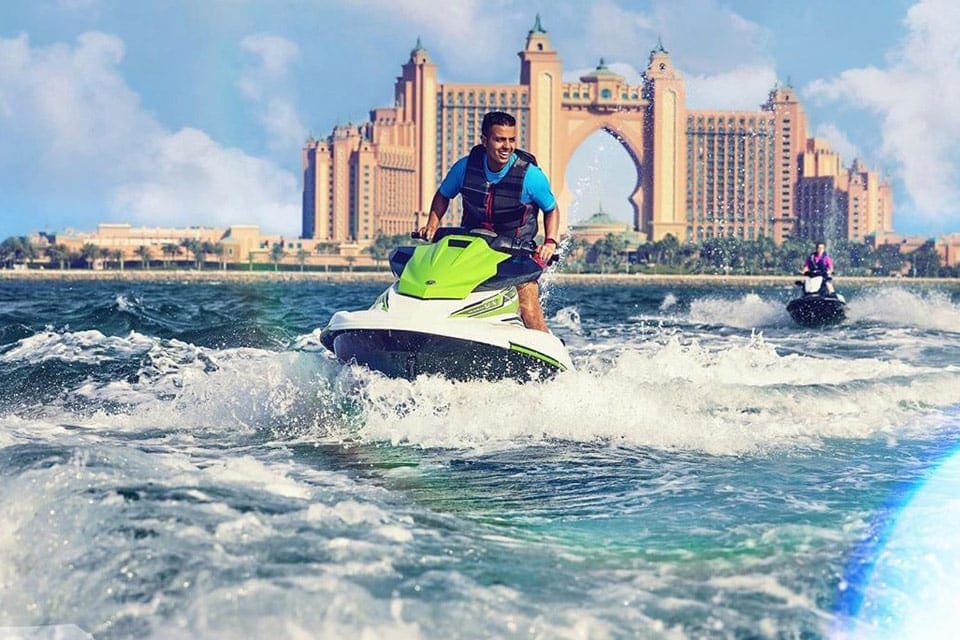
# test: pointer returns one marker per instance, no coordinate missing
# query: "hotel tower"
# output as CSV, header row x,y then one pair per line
x,y
701,174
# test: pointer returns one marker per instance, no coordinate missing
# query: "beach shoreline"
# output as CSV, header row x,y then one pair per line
x,y
618,279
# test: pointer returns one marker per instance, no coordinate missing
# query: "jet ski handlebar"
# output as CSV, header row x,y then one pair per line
x,y
505,244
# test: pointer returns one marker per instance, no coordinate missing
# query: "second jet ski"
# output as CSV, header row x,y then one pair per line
x,y
817,305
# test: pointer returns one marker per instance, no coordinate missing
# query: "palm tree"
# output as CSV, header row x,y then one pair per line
x,y
190,246
666,249
58,254
220,251
609,252
7,251
15,250
170,250
198,249
206,248
302,257
89,252
276,255
116,255
382,245
888,259
350,260
325,248
925,260
791,254
250,260
143,252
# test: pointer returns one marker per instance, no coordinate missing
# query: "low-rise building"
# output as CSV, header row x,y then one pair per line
x,y
122,243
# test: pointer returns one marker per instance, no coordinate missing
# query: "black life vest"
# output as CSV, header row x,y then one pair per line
x,y
497,206
819,263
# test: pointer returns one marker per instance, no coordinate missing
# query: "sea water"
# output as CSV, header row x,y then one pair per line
x,y
185,460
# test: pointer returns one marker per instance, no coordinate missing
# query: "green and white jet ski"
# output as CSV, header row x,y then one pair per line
x,y
453,311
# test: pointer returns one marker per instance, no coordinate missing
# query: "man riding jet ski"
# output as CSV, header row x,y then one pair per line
x,y
819,303
468,305
453,311
502,189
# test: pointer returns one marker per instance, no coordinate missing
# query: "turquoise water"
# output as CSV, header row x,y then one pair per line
x,y
184,460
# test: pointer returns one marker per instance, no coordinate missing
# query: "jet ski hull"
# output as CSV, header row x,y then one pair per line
x,y
454,311
817,311
408,354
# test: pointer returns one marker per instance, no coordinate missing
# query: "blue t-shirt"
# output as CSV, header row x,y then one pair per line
x,y
536,187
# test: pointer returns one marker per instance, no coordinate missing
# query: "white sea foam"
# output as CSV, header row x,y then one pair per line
x,y
350,512
895,306
567,318
666,390
747,312
249,471
245,528
675,395
668,303
125,303
86,347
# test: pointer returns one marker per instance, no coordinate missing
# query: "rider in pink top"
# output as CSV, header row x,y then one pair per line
x,y
820,262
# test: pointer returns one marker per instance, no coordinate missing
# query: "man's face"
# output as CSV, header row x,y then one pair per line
x,y
499,145
821,248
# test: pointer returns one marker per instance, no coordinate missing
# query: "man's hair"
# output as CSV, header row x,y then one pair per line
x,y
493,118
818,243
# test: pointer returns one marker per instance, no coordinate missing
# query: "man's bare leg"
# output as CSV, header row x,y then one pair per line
x,y
531,312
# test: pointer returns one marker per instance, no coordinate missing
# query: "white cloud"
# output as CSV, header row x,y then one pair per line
x,y
70,123
77,5
709,38
70,102
705,37
839,142
916,96
192,178
614,32
471,34
269,85
721,55
741,88
276,53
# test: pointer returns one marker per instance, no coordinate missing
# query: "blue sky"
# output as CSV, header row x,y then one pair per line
x,y
175,113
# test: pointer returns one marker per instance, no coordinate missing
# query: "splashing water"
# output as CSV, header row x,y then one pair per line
x,y
708,470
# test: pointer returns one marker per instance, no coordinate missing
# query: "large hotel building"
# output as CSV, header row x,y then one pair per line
x,y
701,174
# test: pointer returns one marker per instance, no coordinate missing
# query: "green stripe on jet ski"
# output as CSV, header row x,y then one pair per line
x,y
536,354
499,304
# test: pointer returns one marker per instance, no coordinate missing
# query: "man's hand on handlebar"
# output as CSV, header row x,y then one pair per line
x,y
546,251
427,232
